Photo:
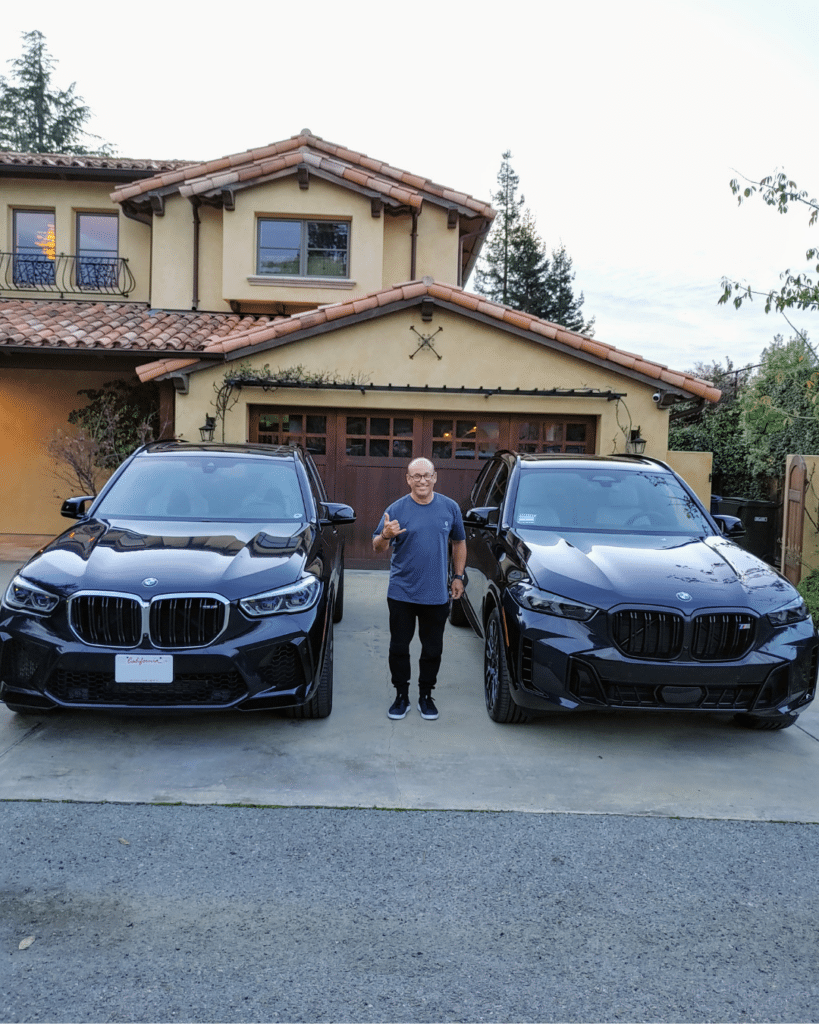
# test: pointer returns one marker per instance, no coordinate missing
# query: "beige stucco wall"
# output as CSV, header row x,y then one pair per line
x,y
284,198
473,355
695,469
33,406
172,257
67,199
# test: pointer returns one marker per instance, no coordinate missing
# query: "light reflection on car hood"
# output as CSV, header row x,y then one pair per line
x,y
233,559
611,569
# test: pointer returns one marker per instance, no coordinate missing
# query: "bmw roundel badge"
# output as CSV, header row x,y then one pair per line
x,y
682,596
149,582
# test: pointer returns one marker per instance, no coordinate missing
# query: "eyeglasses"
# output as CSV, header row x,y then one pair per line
x,y
418,477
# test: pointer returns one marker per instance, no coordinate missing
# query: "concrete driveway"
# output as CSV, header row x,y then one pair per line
x,y
664,765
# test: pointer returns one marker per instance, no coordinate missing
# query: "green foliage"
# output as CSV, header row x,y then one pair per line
x,y
809,589
717,428
779,406
516,270
34,118
798,291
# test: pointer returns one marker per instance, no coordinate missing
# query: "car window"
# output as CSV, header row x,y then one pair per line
x,y
202,486
497,489
478,495
603,499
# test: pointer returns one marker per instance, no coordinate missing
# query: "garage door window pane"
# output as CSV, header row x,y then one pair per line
x,y
356,425
441,450
316,424
402,428
402,449
575,431
442,428
379,449
379,425
316,445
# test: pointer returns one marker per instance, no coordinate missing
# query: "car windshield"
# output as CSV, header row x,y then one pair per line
x,y
204,486
603,499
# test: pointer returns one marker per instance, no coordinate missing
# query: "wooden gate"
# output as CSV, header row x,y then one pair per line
x,y
794,520
363,455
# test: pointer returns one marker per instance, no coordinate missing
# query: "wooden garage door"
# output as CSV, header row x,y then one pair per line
x,y
363,456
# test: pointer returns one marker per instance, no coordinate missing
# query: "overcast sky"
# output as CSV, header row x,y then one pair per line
x,y
626,122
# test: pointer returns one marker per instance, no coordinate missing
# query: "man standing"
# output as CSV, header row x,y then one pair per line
x,y
418,528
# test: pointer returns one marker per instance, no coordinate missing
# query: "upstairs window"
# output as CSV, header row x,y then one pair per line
x,y
35,247
303,248
97,241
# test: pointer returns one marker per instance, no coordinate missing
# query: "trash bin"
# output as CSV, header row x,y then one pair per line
x,y
760,520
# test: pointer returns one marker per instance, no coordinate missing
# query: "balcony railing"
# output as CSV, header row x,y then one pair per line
x,y
66,275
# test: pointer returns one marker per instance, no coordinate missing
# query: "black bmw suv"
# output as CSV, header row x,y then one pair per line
x,y
601,582
203,576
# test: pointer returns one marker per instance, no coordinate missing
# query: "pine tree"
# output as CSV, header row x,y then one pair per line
x,y
516,269
493,282
561,306
34,118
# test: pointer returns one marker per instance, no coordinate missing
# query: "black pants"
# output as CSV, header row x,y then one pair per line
x,y
431,622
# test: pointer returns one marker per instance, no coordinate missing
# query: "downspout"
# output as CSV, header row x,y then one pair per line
x,y
413,244
195,203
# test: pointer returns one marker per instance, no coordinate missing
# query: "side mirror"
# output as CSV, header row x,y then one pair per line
x,y
731,526
74,508
336,513
482,517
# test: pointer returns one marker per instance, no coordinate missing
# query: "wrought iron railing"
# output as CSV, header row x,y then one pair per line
x,y
66,275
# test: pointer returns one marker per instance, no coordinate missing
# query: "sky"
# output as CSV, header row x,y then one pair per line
x,y
626,122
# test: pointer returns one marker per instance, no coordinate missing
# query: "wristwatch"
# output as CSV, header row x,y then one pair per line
x,y
458,576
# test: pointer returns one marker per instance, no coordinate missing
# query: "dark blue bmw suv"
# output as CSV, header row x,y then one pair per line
x,y
203,577
602,583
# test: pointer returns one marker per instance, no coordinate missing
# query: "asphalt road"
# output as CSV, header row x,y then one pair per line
x,y
149,913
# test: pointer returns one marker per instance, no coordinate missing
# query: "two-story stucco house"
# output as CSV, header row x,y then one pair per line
x,y
296,292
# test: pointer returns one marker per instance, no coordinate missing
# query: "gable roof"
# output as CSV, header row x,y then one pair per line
x,y
59,325
259,337
214,181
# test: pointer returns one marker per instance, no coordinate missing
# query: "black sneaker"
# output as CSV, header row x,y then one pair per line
x,y
426,705
400,707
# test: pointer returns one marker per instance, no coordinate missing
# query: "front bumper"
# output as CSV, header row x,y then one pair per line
x,y
268,663
559,664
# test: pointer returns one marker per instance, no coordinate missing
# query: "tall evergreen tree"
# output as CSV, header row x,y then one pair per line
x,y
493,282
34,117
561,305
516,269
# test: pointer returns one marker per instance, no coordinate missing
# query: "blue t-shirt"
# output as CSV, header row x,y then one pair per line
x,y
420,557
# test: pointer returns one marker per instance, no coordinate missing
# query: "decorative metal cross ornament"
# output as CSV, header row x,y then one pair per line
x,y
425,342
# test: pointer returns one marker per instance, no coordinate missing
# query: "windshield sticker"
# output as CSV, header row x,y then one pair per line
x,y
527,517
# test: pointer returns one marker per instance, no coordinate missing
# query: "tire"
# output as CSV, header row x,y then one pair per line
x,y
338,607
499,704
747,721
457,615
321,703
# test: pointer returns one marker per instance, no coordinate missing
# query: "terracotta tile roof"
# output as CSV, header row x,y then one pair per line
x,y
402,186
413,290
124,326
63,161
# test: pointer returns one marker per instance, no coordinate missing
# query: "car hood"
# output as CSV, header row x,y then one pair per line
x,y
230,559
681,572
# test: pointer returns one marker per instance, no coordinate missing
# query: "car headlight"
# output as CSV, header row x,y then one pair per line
x,y
296,597
23,596
550,604
795,611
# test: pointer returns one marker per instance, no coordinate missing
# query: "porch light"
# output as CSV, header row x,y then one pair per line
x,y
208,427
635,445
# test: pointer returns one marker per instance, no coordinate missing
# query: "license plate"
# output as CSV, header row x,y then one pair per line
x,y
143,668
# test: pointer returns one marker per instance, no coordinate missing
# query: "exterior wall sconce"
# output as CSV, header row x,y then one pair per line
x,y
208,427
635,445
